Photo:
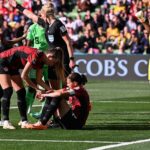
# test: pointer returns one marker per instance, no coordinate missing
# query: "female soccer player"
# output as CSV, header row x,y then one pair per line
x,y
36,39
24,58
73,103
56,35
6,43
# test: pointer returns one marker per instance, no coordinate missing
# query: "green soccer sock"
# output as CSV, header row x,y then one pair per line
x,y
38,114
29,99
43,103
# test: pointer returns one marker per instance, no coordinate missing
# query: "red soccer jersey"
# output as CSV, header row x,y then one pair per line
x,y
17,57
80,104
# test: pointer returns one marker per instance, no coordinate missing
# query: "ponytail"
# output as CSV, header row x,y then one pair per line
x,y
84,79
59,66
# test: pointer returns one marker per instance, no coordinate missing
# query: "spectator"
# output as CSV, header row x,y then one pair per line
x,y
136,47
106,22
100,16
120,43
145,42
62,17
88,17
36,6
83,5
58,5
78,23
127,35
101,38
119,7
131,23
139,31
3,10
70,23
73,36
94,49
95,23
111,14
112,32
85,42
126,8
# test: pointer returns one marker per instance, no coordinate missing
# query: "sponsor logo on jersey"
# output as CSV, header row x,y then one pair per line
x,y
51,38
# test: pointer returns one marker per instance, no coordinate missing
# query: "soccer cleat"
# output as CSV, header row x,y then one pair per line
x,y
19,123
8,125
39,126
1,123
26,125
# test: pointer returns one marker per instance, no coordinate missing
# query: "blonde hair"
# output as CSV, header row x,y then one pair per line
x,y
48,8
59,66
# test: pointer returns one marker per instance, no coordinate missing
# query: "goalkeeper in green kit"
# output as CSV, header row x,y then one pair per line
x,y
36,38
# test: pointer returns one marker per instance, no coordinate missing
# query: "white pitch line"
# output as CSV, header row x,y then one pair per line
x,y
119,145
55,141
133,102
15,107
120,102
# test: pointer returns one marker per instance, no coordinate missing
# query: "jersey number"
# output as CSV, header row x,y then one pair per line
x,y
37,40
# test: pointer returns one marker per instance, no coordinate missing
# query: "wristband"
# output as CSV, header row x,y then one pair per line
x,y
20,7
71,58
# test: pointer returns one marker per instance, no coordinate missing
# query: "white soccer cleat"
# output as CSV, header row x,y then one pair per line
x,y
25,125
1,123
19,123
8,125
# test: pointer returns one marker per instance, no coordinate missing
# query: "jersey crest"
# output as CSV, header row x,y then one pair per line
x,y
51,38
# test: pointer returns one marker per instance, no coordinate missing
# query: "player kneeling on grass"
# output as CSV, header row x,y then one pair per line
x,y
73,104
25,58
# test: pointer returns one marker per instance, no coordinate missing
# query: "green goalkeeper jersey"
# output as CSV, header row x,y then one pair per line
x,y
37,34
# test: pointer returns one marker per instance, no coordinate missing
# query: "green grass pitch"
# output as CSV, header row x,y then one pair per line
x,y
120,113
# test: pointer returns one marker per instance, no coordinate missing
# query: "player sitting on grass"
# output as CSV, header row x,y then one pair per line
x,y
73,103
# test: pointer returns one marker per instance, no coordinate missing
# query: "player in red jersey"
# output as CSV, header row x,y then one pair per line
x,y
73,103
25,58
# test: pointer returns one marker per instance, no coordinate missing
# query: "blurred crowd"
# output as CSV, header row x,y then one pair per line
x,y
94,26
